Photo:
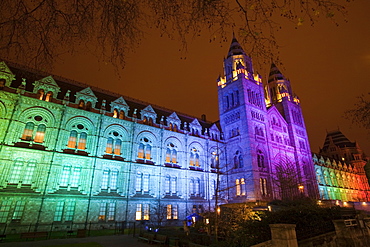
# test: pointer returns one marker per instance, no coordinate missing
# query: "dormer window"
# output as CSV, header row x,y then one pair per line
x,y
88,106
2,83
115,113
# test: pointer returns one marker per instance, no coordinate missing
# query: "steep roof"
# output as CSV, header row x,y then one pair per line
x,y
338,139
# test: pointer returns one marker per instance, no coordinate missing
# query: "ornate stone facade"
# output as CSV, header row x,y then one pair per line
x,y
74,153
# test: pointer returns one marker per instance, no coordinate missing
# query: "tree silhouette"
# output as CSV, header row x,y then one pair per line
x,y
38,31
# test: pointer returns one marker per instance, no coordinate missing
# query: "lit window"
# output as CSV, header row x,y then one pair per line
x,y
138,212
148,150
82,141
242,185
72,139
113,179
117,147
121,114
40,133
28,131
146,212
237,185
169,211
48,96
174,212
141,151
115,113
109,146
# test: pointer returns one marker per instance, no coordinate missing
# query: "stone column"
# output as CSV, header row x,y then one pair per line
x,y
283,235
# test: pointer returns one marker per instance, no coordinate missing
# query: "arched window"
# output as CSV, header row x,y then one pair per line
x,y
197,187
215,160
141,151
40,133
168,155
109,147
72,139
194,160
82,141
88,106
263,186
81,104
115,113
192,187
148,152
28,131
41,94
121,114
48,96
236,162
117,147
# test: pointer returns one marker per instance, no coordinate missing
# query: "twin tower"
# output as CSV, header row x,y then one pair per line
x,y
268,152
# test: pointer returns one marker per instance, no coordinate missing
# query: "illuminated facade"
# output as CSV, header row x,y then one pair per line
x,y
74,153
340,170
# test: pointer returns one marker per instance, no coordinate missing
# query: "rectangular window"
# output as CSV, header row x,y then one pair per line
x,y
59,211
111,211
18,211
174,212
173,185
16,173
138,212
4,211
70,210
27,177
146,211
102,211
169,211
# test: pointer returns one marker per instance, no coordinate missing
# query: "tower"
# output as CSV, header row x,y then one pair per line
x,y
279,95
243,120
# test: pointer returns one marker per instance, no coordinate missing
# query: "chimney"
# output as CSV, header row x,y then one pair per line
x,y
203,117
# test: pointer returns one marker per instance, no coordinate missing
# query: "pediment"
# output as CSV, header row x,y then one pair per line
x,y
214,128
149,109
87,92
120,101
173,117
195,124
47,84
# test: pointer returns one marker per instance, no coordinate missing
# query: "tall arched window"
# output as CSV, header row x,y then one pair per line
x,y
117,147
81,104
140,154
145,149
121,114
82,141
48,96
40,133
109,147
28,131
194,160
72,139
88,106
148,152
41,94
215,160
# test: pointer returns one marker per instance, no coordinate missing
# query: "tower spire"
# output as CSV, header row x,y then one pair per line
x,y
235,48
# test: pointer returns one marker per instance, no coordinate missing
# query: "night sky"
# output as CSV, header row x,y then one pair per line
x,y
328,67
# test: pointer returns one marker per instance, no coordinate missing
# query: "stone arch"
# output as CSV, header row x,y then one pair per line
x,y
87,123
31,112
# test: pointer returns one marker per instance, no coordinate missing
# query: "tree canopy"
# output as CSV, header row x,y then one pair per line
x,y
360,113
39,31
